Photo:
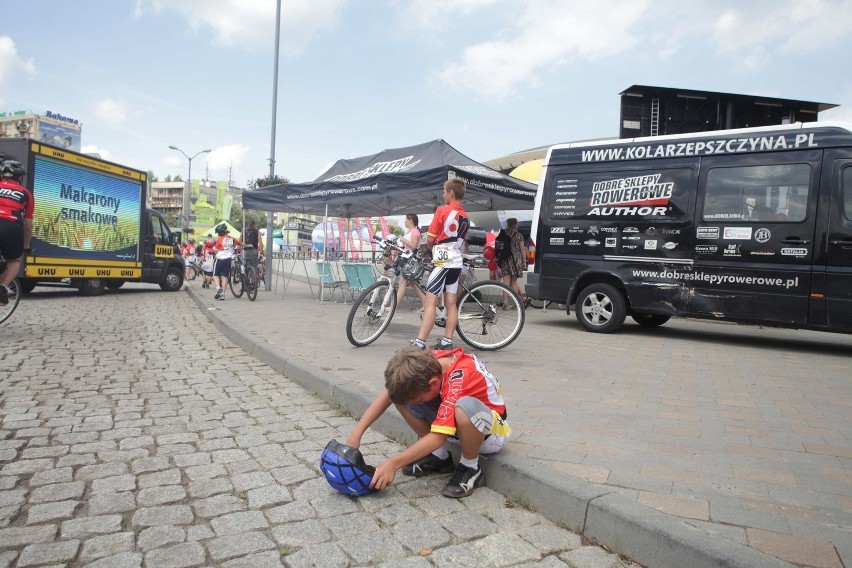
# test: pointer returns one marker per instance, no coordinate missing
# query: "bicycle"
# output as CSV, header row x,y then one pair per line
x,y
14,292
195,272
486,321
243,279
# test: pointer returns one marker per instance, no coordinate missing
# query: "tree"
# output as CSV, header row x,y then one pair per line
x,y
265,181
237,217
152,177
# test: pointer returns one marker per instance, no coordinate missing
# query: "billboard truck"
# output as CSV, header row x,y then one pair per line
x,y
91,227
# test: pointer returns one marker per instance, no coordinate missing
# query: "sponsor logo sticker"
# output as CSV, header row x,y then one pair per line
x,y
794,251
707,233
762,235
630,230
557,241
732,250
651,245
573,242
671,231
706,249
629,247
670,245
591,243
557,230
610,242
762,252
736,233
609,229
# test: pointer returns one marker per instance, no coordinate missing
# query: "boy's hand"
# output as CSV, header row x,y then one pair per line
x,y
384,475
353,441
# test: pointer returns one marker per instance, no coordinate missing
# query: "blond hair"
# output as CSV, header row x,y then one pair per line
x,y
457,186
408,373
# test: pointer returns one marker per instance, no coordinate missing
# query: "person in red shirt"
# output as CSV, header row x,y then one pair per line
x,y
16,222
445,237
444,396
225,247
208,255
189,256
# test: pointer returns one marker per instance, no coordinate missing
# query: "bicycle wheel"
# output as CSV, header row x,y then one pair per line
x,y
483,323
251,283
235,283
14,289
371,313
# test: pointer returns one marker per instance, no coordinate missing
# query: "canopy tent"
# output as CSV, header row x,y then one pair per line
x,y
395,182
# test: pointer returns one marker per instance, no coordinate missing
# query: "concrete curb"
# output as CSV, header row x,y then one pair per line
x,y
613,519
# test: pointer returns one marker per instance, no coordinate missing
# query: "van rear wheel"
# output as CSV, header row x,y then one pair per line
x,y
600,308
650,320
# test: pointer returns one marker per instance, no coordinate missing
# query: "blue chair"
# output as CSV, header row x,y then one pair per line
x,y
327,278
366,274
353,280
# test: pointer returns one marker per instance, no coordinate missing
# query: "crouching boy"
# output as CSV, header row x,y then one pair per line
x,y
442,395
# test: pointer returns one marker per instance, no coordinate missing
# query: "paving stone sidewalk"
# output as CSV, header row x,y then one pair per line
x,y
696,442
133,434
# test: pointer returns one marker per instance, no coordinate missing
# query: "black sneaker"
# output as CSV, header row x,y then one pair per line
x,y
427,465
463,482
4,295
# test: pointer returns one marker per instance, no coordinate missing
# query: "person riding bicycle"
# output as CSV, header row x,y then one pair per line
x,y
225,247
16,222
445,238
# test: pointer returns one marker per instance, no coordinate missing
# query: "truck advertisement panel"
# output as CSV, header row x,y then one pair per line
x,y
87,212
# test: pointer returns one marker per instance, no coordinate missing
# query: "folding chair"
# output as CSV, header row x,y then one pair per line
x,y
352,279
327,278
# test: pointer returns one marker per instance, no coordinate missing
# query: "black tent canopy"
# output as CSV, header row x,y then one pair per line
x,y
395,182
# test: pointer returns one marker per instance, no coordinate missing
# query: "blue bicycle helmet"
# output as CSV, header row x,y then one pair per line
x,y
345,470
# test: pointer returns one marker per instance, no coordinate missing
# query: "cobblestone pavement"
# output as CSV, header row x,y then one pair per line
x,y
125,442
729,444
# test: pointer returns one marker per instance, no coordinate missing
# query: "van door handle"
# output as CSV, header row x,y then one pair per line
x,y
795,241
845,244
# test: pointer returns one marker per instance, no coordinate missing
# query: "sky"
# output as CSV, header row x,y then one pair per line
x,y
490,77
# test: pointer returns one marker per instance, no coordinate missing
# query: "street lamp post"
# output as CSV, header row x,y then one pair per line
x,y
188,188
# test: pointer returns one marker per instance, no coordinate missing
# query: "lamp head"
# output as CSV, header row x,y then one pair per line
x,y
173,147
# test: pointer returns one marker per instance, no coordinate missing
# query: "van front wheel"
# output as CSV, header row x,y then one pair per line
x,y
600,308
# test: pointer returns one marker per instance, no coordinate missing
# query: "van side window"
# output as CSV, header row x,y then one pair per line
x,y
847,193
774,193
159,230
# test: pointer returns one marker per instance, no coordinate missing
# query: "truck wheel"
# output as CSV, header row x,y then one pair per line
x,y
92,286
173,280
650,320
600,308
114,284
27,285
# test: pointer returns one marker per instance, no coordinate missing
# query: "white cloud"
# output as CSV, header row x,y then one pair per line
x,y
111,111
428,14
10,63
548,34
89,149
227,160
251,23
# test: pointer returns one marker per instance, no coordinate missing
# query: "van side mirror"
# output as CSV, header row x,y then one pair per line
x,y
175,238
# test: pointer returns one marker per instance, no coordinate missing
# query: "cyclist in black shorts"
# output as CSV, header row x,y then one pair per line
x,y
16,221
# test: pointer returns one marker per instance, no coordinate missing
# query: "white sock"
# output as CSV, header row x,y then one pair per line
x,y
441,453
472,464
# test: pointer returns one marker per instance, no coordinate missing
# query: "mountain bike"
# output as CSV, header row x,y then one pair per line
x,y
491,315
14,290
243,278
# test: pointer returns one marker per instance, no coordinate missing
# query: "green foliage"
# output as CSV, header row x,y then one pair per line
x,y
265,181
237,217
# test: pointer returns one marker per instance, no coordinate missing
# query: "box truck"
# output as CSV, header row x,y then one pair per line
x,y
91,227
751,225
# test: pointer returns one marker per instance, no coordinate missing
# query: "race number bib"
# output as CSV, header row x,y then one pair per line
x,y
440,254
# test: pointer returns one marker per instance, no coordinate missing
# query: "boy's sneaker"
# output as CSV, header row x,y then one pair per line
x,y
444,344
4,295
463,482
427,465
418,343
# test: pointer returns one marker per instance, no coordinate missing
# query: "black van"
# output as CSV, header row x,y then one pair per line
x,y
751,225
